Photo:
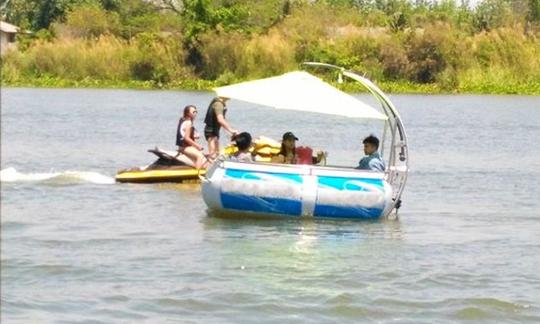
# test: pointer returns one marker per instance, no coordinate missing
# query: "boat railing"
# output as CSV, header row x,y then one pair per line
x,y
398,159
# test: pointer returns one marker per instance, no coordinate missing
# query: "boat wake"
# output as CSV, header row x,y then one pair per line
x,y
65,178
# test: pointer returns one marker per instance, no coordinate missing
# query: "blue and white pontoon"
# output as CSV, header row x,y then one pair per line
x,y
311,190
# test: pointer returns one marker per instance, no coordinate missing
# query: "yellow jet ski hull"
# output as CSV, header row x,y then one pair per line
x,y
169,174
169,167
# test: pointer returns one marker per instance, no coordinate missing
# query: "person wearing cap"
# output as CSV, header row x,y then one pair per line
x,y
214,120
287,154
186,136
372,161
243,143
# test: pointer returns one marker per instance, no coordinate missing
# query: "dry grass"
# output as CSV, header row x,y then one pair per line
x,y
437,54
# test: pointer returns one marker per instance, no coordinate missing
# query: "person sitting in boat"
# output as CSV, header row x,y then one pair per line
x,y
372,160
186,136
214,120
289,153
243,143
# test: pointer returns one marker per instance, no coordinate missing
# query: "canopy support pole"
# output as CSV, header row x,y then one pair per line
x,y
396,175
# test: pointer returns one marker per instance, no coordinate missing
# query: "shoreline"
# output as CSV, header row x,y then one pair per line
x,y
394,87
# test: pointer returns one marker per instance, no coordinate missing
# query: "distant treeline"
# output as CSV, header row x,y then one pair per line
x,y
428,46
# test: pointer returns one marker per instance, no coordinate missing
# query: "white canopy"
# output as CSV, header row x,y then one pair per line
x,y
301,91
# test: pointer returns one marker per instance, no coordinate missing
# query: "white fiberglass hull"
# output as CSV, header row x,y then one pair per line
x,y
296,190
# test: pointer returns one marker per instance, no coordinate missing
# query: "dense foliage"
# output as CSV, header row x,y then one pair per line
x,y
404,45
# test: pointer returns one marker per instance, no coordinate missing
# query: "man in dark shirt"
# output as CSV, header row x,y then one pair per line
x,y
214,120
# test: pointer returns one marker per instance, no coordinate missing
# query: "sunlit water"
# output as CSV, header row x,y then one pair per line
x,y
78,247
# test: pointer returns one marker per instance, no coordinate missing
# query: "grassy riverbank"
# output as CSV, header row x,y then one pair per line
x,y
478,87
404,48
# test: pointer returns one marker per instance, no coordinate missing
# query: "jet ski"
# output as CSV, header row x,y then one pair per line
x,y
169,167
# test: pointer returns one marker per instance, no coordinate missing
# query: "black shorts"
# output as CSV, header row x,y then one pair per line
x,y
209,132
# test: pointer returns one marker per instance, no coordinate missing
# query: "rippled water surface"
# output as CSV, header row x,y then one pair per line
x,y
78,247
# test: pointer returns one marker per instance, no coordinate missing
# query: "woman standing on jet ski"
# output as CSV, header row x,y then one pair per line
x,y
186,136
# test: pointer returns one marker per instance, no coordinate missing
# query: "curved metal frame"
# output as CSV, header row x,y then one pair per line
x,y
397,171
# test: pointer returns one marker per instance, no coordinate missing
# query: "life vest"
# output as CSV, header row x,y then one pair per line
x,y
263,149
211,117
304,155
180,133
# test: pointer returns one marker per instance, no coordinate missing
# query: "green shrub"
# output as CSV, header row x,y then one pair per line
x,y
428,52
394,59
90,20
221,52
490,14
434,47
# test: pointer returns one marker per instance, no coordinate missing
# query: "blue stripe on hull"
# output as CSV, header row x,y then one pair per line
x,y
351,184
347,212
258,175
261,204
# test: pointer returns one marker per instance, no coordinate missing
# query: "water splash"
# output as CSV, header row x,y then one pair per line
x,y
66,177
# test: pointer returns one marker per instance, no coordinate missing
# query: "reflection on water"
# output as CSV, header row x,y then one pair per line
x,y
305,226
305,258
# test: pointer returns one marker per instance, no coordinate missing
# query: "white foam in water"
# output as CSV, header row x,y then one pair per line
x,y
92,177
12,175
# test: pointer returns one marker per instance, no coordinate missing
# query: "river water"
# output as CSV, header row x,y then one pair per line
x,y
77,247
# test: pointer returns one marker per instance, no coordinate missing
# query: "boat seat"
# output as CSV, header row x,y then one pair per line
x,y
172,156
